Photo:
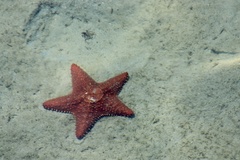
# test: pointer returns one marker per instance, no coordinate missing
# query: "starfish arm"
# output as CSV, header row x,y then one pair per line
x,y
61,104
114,107
84,123
115,84
81,81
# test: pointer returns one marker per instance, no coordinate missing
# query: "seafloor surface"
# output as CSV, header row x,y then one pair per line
x,y
183,58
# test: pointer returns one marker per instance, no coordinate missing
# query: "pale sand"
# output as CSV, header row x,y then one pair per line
x,y
183,58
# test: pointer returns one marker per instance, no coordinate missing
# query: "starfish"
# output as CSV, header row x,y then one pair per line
x,y
89,101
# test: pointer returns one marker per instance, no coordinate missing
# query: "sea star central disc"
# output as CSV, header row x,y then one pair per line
x,y
95,95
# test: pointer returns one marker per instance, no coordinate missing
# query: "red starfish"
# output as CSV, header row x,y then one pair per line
x,y
89,100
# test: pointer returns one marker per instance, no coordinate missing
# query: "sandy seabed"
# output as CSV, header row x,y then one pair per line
x,y
183,58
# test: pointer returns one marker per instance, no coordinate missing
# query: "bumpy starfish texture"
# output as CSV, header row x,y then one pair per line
x,y
90,101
